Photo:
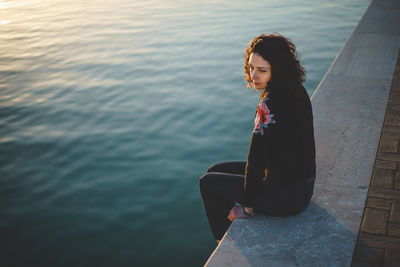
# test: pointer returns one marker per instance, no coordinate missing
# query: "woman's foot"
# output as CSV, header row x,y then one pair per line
x,y
240,212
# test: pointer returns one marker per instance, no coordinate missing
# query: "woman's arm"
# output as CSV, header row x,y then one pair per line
x,y
264,124
255,170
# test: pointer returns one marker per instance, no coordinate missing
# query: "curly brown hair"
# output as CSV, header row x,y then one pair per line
x,y
280,52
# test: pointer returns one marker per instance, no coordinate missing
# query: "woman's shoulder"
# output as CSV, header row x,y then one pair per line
x,y
284,96
292,101
299,97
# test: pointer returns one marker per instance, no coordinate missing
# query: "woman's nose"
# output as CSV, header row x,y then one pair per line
x,y
253,75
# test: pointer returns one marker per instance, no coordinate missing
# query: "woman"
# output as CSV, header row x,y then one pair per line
x,y
278,177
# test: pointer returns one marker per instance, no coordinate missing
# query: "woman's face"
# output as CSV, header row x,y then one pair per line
x,y
260,71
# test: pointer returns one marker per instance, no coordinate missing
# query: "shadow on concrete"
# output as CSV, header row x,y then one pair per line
x,y
311,238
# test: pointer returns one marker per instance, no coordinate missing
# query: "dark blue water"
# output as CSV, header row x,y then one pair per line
x,y
111,110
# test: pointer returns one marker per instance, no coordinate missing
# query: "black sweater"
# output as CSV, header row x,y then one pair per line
x,y
282,148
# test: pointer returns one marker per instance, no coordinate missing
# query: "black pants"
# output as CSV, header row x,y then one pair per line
x,y
223,186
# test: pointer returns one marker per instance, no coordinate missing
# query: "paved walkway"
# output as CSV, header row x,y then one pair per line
x,y
378,242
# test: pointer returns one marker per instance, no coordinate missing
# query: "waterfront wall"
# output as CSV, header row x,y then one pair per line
x,y
349,108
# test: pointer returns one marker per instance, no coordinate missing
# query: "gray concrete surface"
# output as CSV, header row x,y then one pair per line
x,y
349,107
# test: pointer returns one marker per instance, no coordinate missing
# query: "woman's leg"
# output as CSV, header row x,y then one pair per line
x,y
219,192
233,167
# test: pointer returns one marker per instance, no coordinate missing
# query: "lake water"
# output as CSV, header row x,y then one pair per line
x,y
111,110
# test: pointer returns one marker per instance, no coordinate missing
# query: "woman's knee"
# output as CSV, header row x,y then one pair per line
x,y
235,167
204,181
215,167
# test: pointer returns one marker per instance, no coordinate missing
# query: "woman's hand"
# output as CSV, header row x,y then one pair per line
x,y
240,212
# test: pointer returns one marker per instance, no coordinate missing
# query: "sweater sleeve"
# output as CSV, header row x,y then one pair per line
x,y
257,156
255,169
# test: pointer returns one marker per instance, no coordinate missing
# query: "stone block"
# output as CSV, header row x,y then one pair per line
x,y
397,180
378,203
382,164
373,255
392,258
392,129
395,212
388,156
393,229
383,178
393,115
378,241
389,142
384,193
396,85
375,221
394,98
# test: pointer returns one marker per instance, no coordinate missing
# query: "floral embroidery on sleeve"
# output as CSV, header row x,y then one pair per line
x,y
263,117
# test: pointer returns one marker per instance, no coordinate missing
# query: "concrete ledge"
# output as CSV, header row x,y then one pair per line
x,y
349,107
